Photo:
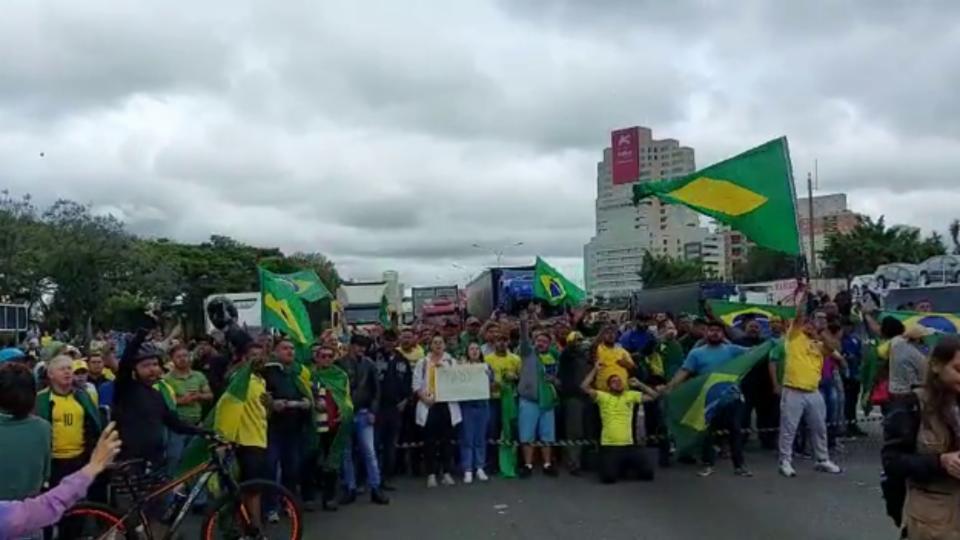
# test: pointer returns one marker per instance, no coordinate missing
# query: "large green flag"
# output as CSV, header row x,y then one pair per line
x,y
942,323
691,406
735,313
752,192
306,284
552,287
282,306
506,450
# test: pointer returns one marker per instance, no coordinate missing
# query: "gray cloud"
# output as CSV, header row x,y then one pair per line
x,y
396,136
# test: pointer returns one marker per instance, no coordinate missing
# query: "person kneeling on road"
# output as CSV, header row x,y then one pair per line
x,y
619,453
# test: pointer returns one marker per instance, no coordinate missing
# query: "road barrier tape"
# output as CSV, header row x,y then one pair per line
x,y
644,440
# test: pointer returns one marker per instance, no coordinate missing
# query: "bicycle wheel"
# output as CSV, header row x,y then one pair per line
x,y
247,513
91,521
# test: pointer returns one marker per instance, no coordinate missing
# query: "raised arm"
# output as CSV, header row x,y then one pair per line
x,y
587,384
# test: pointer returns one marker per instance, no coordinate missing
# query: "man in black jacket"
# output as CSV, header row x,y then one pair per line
x,y
395,375
365,394
575,364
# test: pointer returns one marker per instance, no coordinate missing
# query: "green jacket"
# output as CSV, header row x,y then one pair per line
x,y
92,424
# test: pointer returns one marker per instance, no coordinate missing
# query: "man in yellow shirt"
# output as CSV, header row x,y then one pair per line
x,y
800,396
506,370
619,453
73,417
611,358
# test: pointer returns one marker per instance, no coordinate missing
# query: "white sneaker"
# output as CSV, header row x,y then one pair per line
x,y
786,469
432,481
468,477
448,480
482,476
828,467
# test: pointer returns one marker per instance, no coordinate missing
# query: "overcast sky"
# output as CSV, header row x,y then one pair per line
x,y
393,134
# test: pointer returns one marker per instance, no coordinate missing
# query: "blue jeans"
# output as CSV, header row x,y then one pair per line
x,y
473,434
829,392
176,446
363,440
283,460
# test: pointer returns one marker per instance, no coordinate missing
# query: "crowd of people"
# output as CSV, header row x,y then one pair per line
x,y
368,400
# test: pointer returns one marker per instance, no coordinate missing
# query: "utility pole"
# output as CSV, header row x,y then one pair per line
x,y
813,250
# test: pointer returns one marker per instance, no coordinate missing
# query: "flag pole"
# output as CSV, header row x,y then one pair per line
x,y
801,260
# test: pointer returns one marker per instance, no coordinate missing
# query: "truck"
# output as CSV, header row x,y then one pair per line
x,y
685,298
505,289
439,300
362,303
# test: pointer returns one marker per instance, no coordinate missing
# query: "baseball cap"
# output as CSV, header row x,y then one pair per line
x,y
80,364
574,336
10,353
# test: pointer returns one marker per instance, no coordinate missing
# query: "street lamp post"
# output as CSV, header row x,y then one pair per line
x,y
498,253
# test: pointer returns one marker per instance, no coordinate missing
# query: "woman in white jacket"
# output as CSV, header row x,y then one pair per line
x,y
437,419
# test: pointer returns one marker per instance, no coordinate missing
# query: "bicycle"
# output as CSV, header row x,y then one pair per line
x,y
228,515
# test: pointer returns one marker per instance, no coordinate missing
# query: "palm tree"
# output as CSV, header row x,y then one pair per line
x,y
955,235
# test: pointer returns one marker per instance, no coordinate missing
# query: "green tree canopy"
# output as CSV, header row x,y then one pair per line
x,y
871,244
662,270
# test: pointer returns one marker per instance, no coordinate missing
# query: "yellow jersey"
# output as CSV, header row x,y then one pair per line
x,y
608,365
804,361
66,418
502,365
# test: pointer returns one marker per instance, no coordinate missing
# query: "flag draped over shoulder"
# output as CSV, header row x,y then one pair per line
x,y
335,380
690,407
507,451
752,192
282,297
553,288
225,418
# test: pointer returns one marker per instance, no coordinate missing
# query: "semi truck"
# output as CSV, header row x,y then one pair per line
x,y
505,289
443,300
683,298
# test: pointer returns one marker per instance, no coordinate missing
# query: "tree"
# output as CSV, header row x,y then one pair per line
x,y
21,274
871,244
662,270
85,256
764,264
955,235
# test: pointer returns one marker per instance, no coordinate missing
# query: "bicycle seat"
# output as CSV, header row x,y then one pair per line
x,y
126,466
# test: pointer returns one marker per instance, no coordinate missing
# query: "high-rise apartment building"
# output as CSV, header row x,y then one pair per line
x,y
613,257
830,216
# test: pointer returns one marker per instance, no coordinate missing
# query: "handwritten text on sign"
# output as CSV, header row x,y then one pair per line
x,y
463,382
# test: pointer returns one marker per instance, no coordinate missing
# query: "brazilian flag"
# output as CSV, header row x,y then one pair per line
x,y
282,297
752,192
692,405
553,288
737,313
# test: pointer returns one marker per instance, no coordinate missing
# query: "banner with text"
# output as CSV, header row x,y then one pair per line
x,y
463,383
625,147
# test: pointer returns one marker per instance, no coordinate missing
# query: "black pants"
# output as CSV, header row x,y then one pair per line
x,y
437,437
767,406
60,469
389,422
656,430
619,462
727,417
851,399
316,474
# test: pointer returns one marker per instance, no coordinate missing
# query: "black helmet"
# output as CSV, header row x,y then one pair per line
x,y
147,351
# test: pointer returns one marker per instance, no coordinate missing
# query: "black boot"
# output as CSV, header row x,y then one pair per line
x,y
377,496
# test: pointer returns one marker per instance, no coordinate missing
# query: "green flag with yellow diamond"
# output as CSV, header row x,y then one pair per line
x,y
282,306
553,288
692,405
752,192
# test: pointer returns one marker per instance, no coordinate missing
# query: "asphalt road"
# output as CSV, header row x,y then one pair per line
x,y
678,504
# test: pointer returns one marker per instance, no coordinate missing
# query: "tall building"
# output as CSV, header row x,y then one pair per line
x,y
613,257
830,216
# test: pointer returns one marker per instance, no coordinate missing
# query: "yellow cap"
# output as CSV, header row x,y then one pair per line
x,y
80,364
574,336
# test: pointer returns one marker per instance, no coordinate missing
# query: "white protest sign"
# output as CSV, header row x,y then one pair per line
x,y
463,382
